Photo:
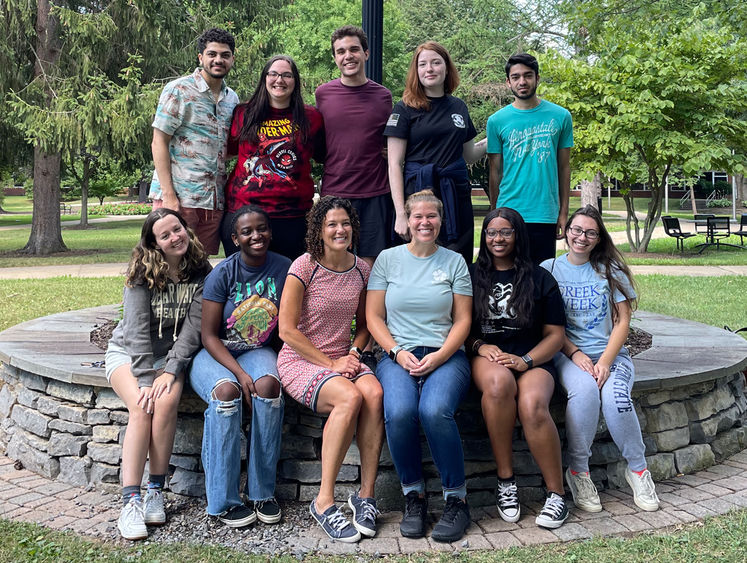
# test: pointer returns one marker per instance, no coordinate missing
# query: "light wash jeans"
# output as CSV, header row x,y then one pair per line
x,y
430,400
221,439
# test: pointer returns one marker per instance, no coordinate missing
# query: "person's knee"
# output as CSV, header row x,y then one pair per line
x,y
226,391
498,391
434,413
533,411
267,387
374,396
138,416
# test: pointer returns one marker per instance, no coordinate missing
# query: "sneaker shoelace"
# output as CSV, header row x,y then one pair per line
x,y
260,503
414,505
508,494
647,484
368,511
337,521
585,486
553,506
451,509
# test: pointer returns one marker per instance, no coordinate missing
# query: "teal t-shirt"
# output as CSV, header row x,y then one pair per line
x,y
529,141
419,293
586,297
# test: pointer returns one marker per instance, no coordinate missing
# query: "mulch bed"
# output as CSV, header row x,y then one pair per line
x,y
101,334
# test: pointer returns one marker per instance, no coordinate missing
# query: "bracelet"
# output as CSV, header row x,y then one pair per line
x,y
476,345
576,350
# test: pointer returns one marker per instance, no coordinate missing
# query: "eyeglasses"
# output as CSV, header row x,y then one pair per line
x,y
505,233
591,234
284,75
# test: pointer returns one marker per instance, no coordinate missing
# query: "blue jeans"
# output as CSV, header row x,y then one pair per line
x,y
430,400
221,439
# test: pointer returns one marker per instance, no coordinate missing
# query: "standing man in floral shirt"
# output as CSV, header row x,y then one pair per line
x,y
189,139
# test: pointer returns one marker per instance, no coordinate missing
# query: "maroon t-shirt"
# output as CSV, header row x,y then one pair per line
x,y
354,120
275,172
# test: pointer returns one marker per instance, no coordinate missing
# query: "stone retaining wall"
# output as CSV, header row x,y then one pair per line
x,y
74,432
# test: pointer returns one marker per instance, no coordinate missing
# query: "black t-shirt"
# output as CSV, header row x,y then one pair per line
x,y
435,136
501,327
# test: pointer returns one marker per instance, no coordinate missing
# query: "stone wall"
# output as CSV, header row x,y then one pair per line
x,y
74,432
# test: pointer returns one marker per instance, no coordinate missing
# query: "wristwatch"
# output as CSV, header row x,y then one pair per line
x,y
528,360
396,349
357,352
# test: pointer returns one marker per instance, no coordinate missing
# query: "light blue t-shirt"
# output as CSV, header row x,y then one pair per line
x,y
419,293
586,297
529,141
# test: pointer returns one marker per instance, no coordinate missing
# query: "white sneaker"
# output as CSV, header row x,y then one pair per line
x,y
644,492
153,507
131,521
585,495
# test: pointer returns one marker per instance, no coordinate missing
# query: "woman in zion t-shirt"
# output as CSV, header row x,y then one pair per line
x,y
238,367
275,137
431,134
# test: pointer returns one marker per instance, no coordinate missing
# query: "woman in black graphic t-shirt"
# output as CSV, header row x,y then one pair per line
x,y
430,132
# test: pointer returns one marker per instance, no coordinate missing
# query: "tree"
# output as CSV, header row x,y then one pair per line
x,y
658,95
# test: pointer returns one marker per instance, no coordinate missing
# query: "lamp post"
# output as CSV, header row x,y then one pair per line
x,y
373,25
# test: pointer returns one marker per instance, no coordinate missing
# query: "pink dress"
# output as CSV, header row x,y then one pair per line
x,y
330,302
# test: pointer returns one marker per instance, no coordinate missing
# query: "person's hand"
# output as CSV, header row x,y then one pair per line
x,y
170,201
490,352
162,384
346,365
560,226
512,361
247,387
427,364
400,226
583,361
407,361
601,373
145,399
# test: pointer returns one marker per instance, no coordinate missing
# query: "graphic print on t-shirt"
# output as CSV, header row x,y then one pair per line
x,y
586,303
252,321
498,311
536,141
276,156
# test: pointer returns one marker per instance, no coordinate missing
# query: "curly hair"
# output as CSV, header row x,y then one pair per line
x,y
257,110
521,301
315,222
350,31
216,35
147,263
606,259
414,94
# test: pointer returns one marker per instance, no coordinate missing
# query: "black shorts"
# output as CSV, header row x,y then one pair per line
x,y
376,215
541,241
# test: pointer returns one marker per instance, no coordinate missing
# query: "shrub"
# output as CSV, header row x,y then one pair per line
x,y
719,203
121,209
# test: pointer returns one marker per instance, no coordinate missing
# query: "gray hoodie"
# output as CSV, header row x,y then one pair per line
x,y
158,323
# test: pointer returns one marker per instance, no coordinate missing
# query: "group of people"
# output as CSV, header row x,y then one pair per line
x,y
307,288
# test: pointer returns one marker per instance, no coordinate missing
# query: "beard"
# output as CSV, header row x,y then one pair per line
x,y
526,96
216,72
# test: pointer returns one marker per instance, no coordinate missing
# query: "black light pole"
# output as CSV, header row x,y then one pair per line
x,y
373,25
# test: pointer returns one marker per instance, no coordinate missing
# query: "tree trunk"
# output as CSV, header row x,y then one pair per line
x,y
693,204
741,192
46,232
591,191
84,191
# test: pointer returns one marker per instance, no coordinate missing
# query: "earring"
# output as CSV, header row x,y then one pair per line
x,y
236,244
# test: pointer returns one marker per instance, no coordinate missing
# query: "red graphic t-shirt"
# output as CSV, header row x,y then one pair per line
x,y
275,172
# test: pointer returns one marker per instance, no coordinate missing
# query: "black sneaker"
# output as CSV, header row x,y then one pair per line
x,y
334,523
268,511
364,514
238,516
416,511
554,512
507,500
454,521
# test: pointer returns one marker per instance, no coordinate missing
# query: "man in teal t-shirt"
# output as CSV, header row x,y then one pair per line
x,y
529,147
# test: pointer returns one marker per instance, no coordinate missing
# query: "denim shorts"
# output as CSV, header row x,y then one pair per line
x,y
116,356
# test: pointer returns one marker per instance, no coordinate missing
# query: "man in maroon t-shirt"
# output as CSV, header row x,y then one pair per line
x,y
355,111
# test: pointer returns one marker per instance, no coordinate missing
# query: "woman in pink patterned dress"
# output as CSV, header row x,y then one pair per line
x,y
319,366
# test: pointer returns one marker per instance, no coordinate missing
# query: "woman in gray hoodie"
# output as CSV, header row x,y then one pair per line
x,y
148,353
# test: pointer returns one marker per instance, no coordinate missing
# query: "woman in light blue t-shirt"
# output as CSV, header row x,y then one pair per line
x,y
419,311
594,367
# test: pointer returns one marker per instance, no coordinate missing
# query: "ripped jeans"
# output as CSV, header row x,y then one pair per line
x,y
221,439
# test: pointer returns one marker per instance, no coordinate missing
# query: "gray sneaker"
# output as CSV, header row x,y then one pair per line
x,y
155,514
334,524
583,490
644,492
364,514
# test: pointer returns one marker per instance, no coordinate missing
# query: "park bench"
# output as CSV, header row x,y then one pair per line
x,y
65,209
742,232
672,228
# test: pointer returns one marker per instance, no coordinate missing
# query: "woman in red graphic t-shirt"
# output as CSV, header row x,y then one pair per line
x,y
275,137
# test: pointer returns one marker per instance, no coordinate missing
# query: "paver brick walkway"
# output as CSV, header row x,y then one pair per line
x,y
26,497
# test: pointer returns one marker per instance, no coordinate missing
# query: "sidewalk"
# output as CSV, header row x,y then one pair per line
x,y
27,497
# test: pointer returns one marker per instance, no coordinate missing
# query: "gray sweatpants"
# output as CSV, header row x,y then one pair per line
x,y
582,411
